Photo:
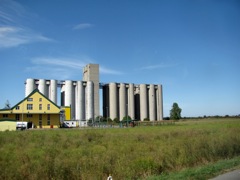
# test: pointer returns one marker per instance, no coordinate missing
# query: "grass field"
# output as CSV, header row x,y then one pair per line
x,y
126,153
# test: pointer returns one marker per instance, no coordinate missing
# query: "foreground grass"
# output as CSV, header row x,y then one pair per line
x,y
126,153
201,173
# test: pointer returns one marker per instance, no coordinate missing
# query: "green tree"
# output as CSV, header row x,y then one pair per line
x,y
116,120
7,105
146,119
175,112
127,118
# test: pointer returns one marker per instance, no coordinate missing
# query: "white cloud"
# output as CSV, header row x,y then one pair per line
x,y
58,68
83,26
63,68
59,73
5,18
104,70
13,36
13,32
65,62
159,66
10,11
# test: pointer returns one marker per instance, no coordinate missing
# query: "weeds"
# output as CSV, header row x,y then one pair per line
x,y
126,153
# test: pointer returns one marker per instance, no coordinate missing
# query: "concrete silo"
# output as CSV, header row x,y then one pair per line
x,y
122,101
29,86
53,91
42,86
112,109
80,101
131,104
143,102
89,100
152,103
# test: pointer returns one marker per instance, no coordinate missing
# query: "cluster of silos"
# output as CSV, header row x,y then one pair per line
x,y
76,94
120,100
137,101
47,87
151,102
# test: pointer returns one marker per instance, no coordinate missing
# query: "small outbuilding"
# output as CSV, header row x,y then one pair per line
x,y
7,124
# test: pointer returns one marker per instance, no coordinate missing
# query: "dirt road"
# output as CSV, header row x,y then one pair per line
x,y
233,175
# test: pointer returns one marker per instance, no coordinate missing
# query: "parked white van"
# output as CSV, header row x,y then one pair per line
x,y
22,125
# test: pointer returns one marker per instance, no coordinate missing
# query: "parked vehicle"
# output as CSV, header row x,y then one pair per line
x,y
73,124
69,124
22,125
64,125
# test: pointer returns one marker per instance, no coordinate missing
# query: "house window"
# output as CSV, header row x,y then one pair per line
x,y
29,115
48,107
30,99
48,120
40,106
17,117
40,122
5,115
40,99
18,107
40,117
29,106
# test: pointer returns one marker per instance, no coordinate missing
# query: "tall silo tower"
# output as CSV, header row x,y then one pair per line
x,y
91,73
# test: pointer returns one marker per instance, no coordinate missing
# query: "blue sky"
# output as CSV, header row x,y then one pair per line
x,y
190,47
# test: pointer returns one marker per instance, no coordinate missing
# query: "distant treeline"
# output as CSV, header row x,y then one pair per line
x,y
205,117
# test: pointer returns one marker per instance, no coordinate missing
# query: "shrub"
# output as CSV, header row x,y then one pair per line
x,y
116,120
146,119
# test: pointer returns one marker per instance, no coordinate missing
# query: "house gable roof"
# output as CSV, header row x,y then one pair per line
x,y
33,92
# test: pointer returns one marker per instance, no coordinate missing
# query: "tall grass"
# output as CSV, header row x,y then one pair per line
x,y
126,153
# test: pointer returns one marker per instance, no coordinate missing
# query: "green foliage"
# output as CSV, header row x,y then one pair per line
x,y
109,119
146,119
116,120
7,105
127,118
99,118
126,153
175,112
104,119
